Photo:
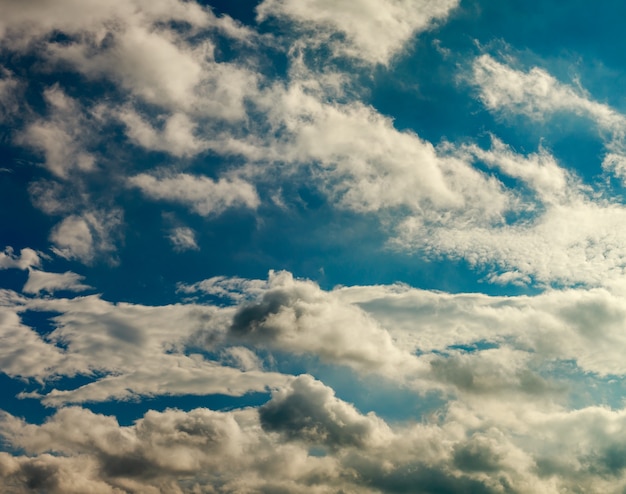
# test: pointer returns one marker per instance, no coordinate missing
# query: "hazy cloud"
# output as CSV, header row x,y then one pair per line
x,y
374,31
202,194
39,281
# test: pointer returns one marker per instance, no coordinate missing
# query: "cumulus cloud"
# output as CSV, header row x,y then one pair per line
x,y
53,197
228,287
492,371
176,137
489,351
309,411
203,195
298,317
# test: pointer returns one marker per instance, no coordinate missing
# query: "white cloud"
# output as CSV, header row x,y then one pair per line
x,y
559,231
176,138
23,353
183,238
307,410
298,317
538,95
375,31
128,350
157,64
233,288
86,236
202,194
61,137
134,45
166,375
171,451
10,93
461,450
39,281
362,162
73,16
53,197
28,258
502,425
615,163
584,326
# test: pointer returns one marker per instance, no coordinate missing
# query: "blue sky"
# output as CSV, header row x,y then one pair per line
x,y
273,246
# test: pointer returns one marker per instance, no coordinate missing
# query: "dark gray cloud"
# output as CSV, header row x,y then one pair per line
x,y
309,411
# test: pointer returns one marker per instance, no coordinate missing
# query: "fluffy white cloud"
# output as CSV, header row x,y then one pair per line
x,y
298,317
232,288
539,96
374,31
131,44
274,448
75,16
504,426
165,375
202,194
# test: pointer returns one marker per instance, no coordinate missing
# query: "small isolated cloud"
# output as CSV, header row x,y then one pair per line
x,y
27,258
183,238
202,194
86,236
42,281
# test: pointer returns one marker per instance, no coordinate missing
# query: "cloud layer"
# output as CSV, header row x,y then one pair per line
x,y
308,247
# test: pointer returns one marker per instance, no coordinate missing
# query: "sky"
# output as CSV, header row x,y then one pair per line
x,y
312,246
